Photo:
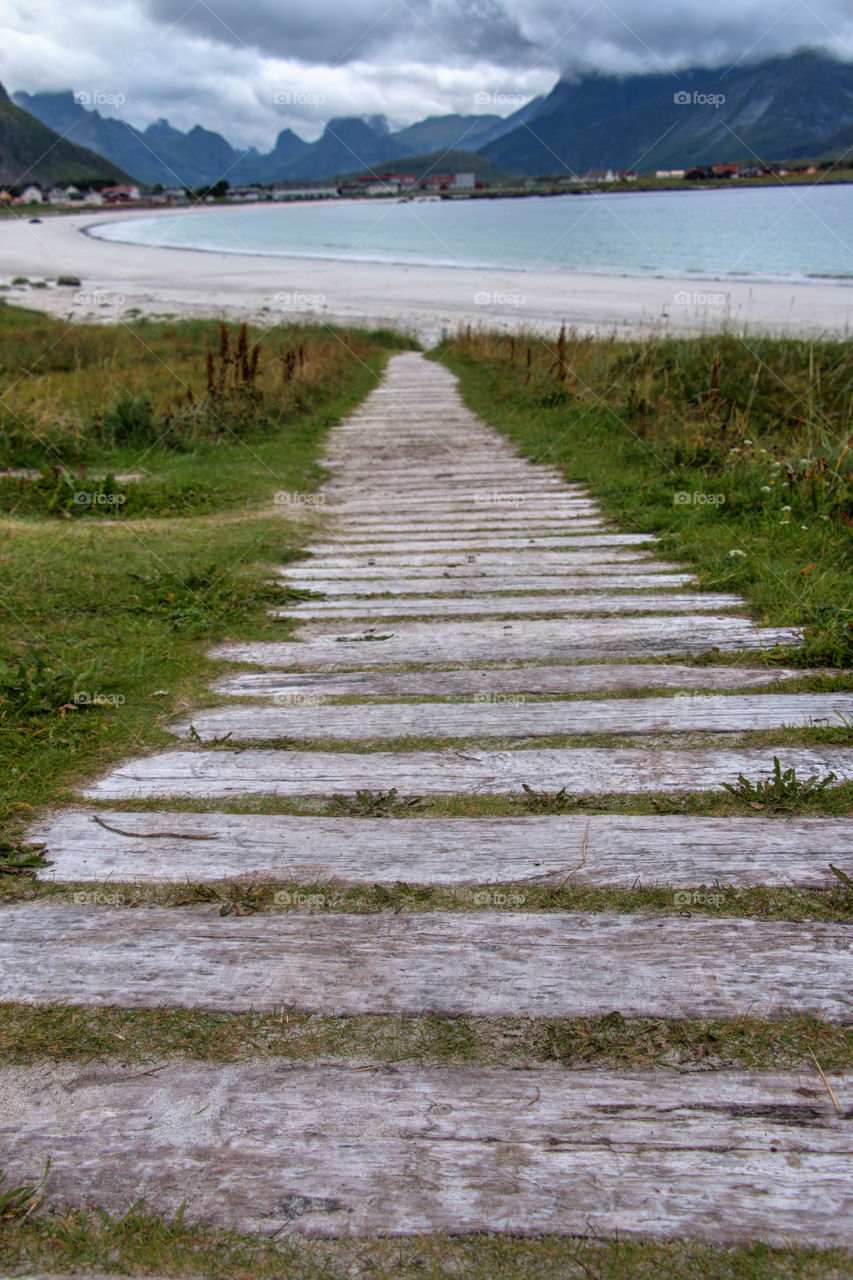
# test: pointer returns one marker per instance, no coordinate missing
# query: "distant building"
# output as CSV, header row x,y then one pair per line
x,y
628,175
120,195
309,191
669,173
31,195
65,195
600,175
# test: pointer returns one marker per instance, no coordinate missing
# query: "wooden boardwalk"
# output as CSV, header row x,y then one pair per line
x,y
454,571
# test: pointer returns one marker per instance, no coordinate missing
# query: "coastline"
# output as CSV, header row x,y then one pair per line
x,y
118,278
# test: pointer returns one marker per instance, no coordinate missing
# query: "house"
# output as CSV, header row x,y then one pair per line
x,y
65,195
120,195
669,173
627,175
310,191
31,195
725,170
600,175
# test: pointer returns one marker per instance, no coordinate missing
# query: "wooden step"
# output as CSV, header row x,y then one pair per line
x,y
497,716
566,640
376,1150
505,606
453,964
603,849
582,771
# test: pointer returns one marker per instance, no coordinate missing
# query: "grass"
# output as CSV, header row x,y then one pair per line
x,y
138,1242
104,623
268,894
735,450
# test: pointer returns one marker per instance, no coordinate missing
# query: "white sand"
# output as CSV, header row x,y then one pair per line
x,y
115,278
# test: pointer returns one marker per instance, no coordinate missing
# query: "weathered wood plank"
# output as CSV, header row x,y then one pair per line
x,y
452,964
585,678
487,542
527,562
342,1151
475,641
353,586
496,715
582,771
499,569
502,606
452,530
602,849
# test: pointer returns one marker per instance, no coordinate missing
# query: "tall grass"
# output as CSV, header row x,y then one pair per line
x,y
737,450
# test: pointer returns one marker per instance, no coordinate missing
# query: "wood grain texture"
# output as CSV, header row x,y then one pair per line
x,y
566,640
336,1151
581,771
495,716
503,606
602,849
617,580
584,678
496,963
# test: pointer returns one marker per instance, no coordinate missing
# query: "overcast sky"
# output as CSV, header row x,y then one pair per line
x,y
248,68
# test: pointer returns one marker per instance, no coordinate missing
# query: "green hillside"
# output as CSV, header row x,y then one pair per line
x,y
30,152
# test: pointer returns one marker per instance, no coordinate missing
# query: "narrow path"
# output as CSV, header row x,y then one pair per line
x,y
484,580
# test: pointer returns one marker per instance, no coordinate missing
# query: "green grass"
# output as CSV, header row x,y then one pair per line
x,y
142,1243
268,894
756,432
104,623
76,1033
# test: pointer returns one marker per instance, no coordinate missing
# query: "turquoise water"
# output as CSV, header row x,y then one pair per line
x,y
768,233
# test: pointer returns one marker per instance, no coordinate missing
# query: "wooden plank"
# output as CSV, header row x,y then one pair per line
x,y
604,849
504,606
519,561
476,641
337,1150
501,568
452,964
497,715
485,542
316,686
349,585
582,771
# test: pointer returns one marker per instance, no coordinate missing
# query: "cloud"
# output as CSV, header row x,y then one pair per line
x,y
226,63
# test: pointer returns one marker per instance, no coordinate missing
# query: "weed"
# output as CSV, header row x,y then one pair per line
x,y
546,802
375,804
17,1203
781,791
35,686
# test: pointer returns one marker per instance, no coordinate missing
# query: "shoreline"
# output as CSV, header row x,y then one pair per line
x,y
120,280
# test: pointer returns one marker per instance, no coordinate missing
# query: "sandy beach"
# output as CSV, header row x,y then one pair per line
x,y
122,279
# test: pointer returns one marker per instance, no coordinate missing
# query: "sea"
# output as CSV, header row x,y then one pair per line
x,y
800,234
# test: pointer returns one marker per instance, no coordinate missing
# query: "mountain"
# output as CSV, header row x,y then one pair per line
x,y
439,132
784,107
347,143
441,162
31,151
